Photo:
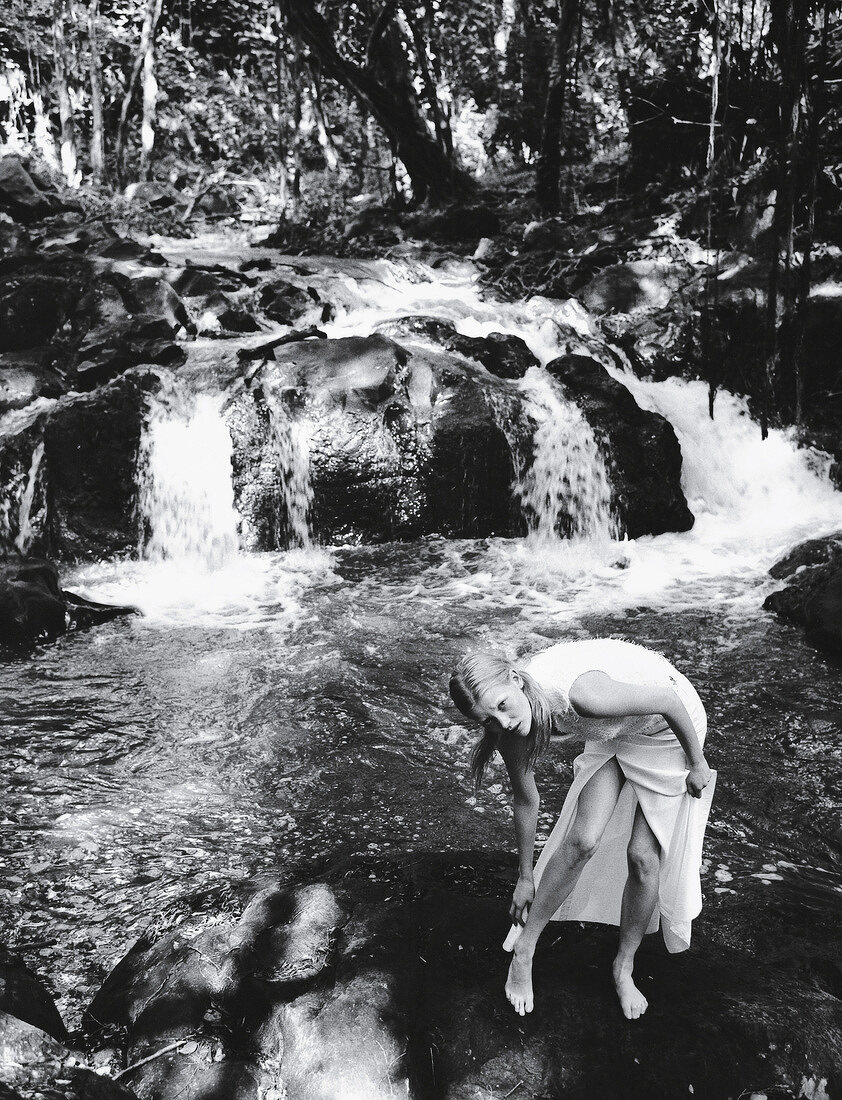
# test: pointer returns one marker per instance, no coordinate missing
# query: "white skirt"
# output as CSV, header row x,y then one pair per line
x,y
655,768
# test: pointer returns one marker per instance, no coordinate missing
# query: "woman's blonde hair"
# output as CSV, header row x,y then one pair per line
x,y
475,674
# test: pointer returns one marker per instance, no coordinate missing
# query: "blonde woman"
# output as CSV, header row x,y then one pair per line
x,y
627,847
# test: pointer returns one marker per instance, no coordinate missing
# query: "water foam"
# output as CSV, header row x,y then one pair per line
x,y
185,492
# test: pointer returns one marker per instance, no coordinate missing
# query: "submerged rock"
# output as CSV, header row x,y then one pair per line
x,y
384,976
33,608
813,596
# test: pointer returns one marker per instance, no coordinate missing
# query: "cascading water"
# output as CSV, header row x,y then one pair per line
x,y
566,487
25,527
292,442
185,493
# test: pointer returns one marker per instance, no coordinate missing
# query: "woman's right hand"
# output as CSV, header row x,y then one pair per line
x,y
522,898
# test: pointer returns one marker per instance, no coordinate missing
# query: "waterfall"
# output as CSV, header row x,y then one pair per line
x,y
25,529
185,493
561,478
744,490
292,442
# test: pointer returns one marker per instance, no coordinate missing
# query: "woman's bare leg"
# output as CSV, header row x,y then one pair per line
x,y
639,899
596,804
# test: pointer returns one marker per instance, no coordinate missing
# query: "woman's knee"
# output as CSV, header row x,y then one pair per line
x,y
582,842
644,860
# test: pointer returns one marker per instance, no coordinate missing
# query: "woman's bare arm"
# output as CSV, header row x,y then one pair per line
x,y
598,695
525,801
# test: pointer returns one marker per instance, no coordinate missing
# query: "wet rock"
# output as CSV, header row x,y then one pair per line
x,y
33,608
33,306
384,976
644,453
218,987
23,378
151,296
813,596
117,324
285,302
636,285
29,1058
20,196
199,280
221,314
502,354
21,993
400,443
34,1064
91,442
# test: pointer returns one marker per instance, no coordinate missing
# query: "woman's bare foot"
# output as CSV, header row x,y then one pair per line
x,y
632,1001
519,982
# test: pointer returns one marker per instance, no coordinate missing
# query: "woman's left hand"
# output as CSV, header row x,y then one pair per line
x,y
698,778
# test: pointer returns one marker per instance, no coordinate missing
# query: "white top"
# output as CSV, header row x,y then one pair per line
x,y
556,668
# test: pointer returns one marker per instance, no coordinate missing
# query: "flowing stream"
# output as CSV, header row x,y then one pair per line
x,y
268,708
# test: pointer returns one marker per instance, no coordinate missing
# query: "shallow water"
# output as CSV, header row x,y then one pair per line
x,y
284,706
156,757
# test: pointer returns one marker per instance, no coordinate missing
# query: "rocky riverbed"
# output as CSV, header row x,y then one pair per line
x,y
243,858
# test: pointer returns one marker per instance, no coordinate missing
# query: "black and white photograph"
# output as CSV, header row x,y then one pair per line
x,y
420,550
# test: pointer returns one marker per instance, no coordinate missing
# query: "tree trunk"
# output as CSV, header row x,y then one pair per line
x,y
816,99
549,159
325,140
147,36
97,134
150,97
280,73
390,100
65,108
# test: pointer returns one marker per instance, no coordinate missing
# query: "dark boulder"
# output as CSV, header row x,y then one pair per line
x,y
220,313
21,993
285,302
198,280
502,354
644,453
384,976
813,596
33,608
20,195
400,443
117,324
35,1064
34,304
23,378
91,444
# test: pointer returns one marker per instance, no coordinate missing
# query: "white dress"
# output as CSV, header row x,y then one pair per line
x,y
655,767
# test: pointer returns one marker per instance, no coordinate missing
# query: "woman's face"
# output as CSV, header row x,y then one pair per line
x,y
506,705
